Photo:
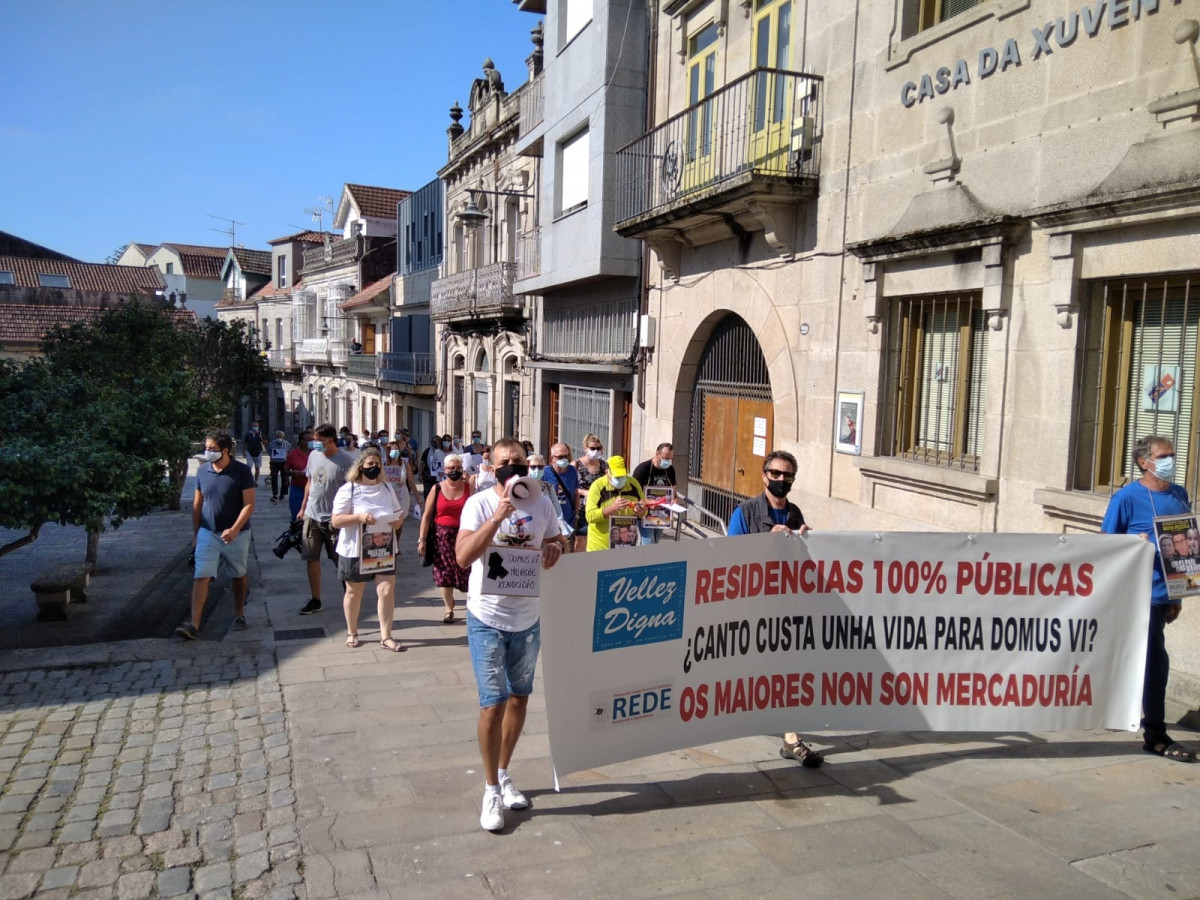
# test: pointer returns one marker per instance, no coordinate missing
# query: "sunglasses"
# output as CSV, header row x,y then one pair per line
x,y
777,475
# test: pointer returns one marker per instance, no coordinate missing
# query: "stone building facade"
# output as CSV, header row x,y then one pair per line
x,y
945,253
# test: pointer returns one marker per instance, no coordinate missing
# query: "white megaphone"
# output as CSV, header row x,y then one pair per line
x,y
524,492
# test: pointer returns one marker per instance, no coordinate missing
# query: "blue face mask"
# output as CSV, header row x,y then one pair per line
x,y
664,463
1165,468
394,454
619,481
535,471
315,445
212,455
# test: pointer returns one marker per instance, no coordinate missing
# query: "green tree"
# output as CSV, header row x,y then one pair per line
x,y
133,389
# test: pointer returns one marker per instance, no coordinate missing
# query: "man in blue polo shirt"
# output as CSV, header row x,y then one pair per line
x,y
221,510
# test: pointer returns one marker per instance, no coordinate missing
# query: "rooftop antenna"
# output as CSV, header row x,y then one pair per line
x,y
231,230
318,212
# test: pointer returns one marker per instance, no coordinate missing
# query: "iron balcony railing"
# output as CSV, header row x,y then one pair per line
x,y
406,368
361,366
764,123
533,104
529,250
485,292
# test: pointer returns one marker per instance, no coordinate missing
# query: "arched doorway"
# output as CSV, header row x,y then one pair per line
x,y
733,421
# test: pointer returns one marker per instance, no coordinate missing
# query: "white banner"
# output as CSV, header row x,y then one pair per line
x,y
680,644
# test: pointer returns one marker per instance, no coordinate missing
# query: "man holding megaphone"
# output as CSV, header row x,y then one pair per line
x,y
503,630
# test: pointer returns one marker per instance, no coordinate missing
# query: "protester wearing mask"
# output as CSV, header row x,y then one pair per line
x,y
439,525
1132,510
588,468
537,471
658,471
771,511
614,495
399,476
485,477
294,466
363,500
564,479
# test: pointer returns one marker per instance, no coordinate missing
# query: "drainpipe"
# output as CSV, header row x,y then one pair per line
x,y
837,350
643,287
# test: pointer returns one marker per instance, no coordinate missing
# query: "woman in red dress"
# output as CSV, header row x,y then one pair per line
x,y
443,511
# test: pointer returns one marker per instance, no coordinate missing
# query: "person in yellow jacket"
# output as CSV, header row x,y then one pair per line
x,y
615,494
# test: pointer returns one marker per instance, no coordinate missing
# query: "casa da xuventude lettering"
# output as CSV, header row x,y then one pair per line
x,y
1086,22
713,640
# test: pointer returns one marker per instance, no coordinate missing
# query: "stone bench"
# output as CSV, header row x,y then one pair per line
x,y
62,585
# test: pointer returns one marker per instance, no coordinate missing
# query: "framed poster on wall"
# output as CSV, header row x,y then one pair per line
x,y
847,434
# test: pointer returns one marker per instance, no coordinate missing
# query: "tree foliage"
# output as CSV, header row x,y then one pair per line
x,y
91,429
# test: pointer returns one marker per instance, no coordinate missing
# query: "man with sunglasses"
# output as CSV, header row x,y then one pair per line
x,y
771,511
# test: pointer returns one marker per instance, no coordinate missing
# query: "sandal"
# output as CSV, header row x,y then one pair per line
x,y
801,753
395,646
352,641
448,618
1169,749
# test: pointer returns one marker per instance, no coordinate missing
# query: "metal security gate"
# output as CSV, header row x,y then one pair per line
x,y
732,418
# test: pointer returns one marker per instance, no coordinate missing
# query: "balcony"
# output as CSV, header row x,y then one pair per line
x,y
335,253
362,366
407,368
483,293
743,159
282,360
532,109
322,351
529,254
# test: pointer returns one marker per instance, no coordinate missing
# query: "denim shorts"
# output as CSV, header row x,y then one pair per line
x,y
211,551
504,661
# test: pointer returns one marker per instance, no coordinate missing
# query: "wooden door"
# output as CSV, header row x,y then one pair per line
x,y
368,340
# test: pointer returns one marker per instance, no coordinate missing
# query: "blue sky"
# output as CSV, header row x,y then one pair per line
x,y
133,121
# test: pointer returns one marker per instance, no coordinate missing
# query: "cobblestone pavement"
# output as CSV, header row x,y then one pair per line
x,y
162,778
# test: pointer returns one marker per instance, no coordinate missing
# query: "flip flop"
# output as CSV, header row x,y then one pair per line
x,y
352,641
396,647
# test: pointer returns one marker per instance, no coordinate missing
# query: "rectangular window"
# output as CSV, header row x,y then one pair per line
x,y
281,271
1135,376
583,411
935,379
934,11
170,268
573,14
573,172
45,279
7,278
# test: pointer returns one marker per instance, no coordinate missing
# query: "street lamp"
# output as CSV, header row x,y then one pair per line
x,y
472,217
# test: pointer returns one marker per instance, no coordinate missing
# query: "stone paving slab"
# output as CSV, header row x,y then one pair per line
x,y
242,765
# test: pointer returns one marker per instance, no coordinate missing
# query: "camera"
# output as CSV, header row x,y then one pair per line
x,y
289,540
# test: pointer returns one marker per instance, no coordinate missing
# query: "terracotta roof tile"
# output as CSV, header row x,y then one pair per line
x,y
376,202
199,261
23,326
367,295
306,237
84,276
252,262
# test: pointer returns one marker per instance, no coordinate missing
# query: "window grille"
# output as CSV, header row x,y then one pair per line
x,y
935,379
584,411
934,11
1135,375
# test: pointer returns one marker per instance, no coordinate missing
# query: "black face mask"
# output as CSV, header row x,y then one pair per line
x,y
454,476
504,473
371,472
779,489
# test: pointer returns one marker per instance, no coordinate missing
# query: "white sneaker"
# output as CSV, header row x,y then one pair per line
x,y
513,799
492,817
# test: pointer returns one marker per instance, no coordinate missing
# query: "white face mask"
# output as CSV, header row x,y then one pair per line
x,y
212,455
593,453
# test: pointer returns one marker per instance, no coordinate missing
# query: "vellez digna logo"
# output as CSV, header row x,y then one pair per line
x,y
639,605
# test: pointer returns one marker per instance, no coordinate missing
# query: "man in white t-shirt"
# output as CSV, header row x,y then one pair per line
x,y
503,631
